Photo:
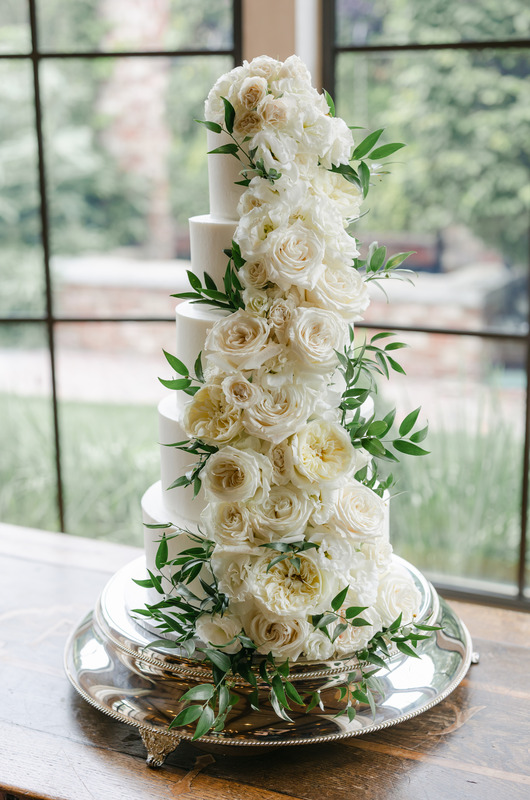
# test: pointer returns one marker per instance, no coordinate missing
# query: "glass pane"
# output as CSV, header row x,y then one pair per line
x,y
15,32
406,21
21,268
127,167
27,460
109,390
145,25
456,512
458,194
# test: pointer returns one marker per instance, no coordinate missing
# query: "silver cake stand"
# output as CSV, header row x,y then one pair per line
x,y
106,661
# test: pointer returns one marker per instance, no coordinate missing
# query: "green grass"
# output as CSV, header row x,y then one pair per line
x,y
457,513
109,458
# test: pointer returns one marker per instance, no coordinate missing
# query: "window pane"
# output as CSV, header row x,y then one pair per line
x,y
27,456
109,389
21,268
15,33
456,512
111,25
127,167
406,21
458,194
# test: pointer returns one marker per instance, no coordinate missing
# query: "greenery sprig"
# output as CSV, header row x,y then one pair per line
x,y
197,448
210,294
208,704
190,384
289,550
375,268
251,165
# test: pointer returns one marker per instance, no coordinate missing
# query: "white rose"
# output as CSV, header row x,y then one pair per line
x,y
252,91
318,647
293,67
280,315
345,196
379,551
228,523
240,340
240,392
283,514
355,638
264,66
322,451
359,512
363,577
315,335
286,591
281,457
337,145
214,109
273,110
294,256
232,566
284,638
274,146
397,595
208,416
341,290
236,475
253,274
256,301
279,412
333,549
219,631
247,123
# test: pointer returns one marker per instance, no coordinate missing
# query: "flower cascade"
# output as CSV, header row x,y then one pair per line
x,y
293,507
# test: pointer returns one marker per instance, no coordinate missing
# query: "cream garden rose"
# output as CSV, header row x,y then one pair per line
x,y
241,341
220,630
285,637
283,514
397,595
236,475
294,256
209,416
322,452
240,392
314,336
252,91
285,591
281,457
340,290
228,523
278,412
359,512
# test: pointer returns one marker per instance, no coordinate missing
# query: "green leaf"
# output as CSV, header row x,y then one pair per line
x,y
204,724
420,435
224,698
279,691
406,650
364,175
372,658
331,104
291,692
156,581
339,599
374,447
230,115
161,554
428,627
209,281
195,282
205,691
315,700
409,422
377,428
180,383
348,172
397,259
197,368
186,716
395,366
212,126
225,149
409,448
378,258
361,696
147,583
340,628
351,712
386,150
325,620
354,611
220,660
176,364
366,145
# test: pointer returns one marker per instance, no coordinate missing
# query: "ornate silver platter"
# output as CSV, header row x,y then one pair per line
x,y
106,661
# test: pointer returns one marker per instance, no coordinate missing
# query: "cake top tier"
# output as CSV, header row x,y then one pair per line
x,y
267,114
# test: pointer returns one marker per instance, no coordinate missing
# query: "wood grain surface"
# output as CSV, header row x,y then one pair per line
x,y
475,744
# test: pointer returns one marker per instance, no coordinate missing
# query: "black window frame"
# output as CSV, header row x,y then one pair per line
x,y
330,52
36,56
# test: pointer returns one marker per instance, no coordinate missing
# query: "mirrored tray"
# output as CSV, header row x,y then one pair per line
x,y
106,661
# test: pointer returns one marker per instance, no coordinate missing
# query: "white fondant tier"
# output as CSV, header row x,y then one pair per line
x,y
223,172
154,512
209,237
193,323
174,463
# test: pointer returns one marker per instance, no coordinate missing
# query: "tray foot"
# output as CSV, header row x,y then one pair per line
x,y
158,747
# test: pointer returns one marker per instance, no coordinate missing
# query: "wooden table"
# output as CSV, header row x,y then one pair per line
x,y
475,744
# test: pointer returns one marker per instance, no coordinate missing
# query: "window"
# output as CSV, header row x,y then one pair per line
x,y
451,80
101,166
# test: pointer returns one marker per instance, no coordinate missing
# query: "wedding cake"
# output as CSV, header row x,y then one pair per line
x,y
269,527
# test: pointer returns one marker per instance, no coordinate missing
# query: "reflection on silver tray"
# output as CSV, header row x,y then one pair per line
x,y
106,661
